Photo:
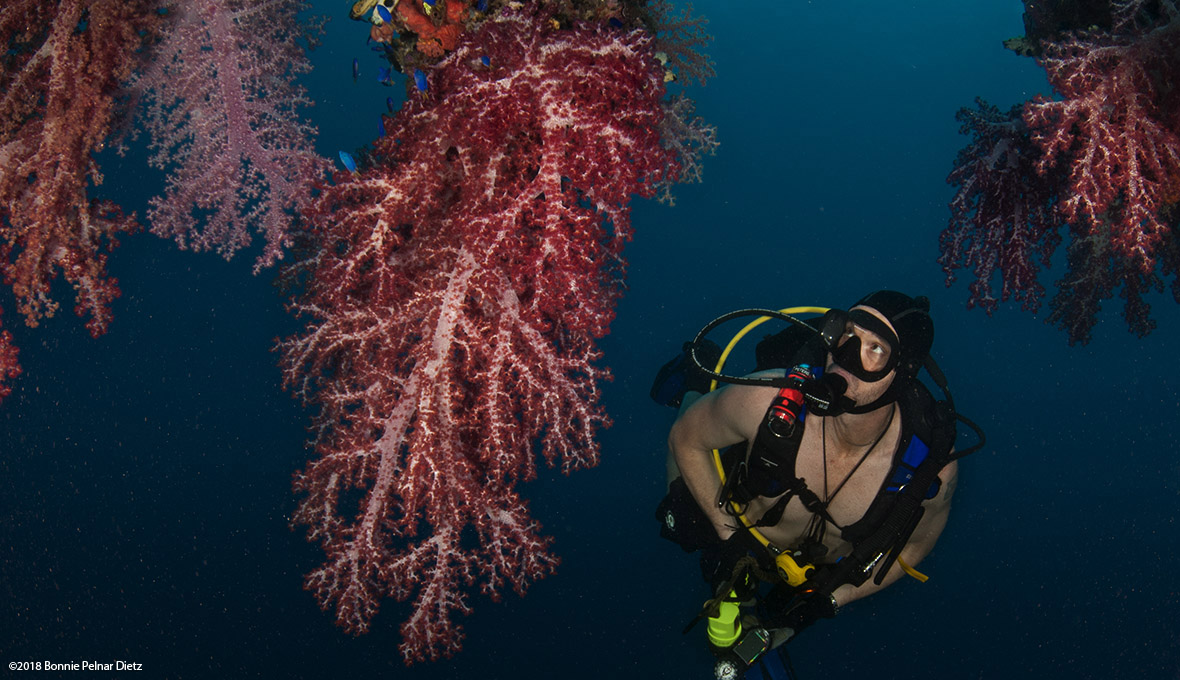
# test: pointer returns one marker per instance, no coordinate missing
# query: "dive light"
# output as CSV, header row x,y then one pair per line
x,y
736,649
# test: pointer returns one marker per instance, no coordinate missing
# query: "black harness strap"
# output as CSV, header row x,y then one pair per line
x,y
887,540
880,543
771,460
814,505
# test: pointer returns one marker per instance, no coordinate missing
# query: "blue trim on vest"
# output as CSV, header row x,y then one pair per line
x,y
915,453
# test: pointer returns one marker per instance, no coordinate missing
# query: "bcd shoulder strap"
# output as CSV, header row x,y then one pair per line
x,y
886,541
770,466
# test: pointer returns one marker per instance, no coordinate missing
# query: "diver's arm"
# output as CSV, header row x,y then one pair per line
x,y
718,419
921,542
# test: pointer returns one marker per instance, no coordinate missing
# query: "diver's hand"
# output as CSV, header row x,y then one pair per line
x,y
808,609
718,560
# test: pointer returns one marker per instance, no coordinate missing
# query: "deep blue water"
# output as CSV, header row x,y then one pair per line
x,y
145,476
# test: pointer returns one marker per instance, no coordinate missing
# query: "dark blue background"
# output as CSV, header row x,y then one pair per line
x,y
145,476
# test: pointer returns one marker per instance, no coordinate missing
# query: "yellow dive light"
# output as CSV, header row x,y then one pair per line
x,y
726,627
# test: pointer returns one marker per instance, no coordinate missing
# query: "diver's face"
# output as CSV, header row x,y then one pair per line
x,y
874,356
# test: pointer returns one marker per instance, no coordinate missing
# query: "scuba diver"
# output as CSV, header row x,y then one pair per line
x,y
819,479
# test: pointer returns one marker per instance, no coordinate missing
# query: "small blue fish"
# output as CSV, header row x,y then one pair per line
x,y
389,104
381,126
420,79
356,69
615,22
485,60
384,76
384,13
482,5
348,161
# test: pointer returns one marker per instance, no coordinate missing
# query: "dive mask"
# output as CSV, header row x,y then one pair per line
x,y
847,354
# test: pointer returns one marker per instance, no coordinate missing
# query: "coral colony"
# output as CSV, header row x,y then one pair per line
x,y
216,82
224,114
464,277
454,278
1103,158
58,91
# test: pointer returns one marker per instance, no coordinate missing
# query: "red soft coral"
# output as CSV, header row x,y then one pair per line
x,y
1113,131
1106,155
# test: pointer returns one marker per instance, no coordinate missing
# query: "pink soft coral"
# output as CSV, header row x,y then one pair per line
x,y
1107,163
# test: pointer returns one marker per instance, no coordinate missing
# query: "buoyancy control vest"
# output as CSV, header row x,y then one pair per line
x,y
767,468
